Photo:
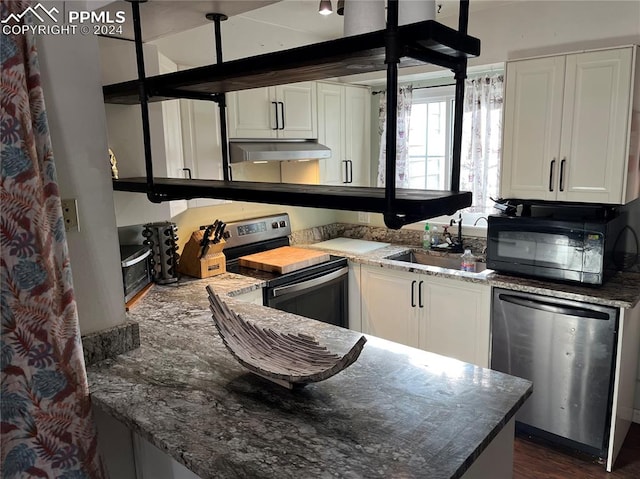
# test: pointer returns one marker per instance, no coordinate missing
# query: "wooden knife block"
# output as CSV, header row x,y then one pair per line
x,y
211,264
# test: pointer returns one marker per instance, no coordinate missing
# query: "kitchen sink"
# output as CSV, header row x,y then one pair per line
x,y
448,262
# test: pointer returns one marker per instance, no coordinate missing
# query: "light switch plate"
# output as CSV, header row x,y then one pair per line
x,y
70,214
364,217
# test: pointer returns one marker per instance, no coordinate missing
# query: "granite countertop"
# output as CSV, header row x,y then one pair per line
x,y
396,412
621,290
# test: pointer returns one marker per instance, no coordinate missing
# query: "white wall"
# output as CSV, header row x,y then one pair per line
x,y
70,73
241,37
301,218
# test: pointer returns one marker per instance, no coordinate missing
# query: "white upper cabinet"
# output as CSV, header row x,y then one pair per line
x,y
331,132
201,144
344,113
358,134
567,129
284,112
532,117
593,148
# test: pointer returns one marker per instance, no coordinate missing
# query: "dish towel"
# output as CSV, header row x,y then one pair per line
x,y
46,421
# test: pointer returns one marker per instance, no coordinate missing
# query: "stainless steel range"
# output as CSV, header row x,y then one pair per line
x,y
318,292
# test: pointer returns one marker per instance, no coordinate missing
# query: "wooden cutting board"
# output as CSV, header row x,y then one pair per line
x,y
284,260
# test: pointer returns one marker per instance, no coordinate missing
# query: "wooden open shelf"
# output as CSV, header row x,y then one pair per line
x,y
356,198
423,42
408,45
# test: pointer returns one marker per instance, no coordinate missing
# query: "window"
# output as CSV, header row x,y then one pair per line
x,y
430,139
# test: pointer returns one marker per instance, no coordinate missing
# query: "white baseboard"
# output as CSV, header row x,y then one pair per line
x,y
636,416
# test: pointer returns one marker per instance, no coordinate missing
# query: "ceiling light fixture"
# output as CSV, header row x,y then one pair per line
x,y
325,7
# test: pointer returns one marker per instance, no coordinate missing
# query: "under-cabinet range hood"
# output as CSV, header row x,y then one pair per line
x,y
240,151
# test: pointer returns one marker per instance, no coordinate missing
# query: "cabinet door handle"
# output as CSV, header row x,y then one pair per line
x,y
188,170
564,160
275,107
551,169
281,103
350,171
413,294
346,171
420,303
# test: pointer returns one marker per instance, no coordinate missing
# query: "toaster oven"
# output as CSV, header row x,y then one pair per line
x,y
135,261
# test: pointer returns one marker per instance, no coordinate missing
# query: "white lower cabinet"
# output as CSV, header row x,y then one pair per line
x,y
127,455
456,319
153,463
390,304
355,314
445,316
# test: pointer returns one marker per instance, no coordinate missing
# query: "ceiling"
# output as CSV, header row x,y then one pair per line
x,y
303,16
161,17
165,17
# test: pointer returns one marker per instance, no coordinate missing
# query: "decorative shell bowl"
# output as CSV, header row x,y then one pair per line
x,y
284,358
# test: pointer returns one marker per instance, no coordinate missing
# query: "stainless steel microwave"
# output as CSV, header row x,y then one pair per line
x,y
558,249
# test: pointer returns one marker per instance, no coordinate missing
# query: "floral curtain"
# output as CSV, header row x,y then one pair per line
x,y
47,427
405,96
481,139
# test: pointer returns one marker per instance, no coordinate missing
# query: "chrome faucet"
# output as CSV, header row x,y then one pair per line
x,y
481,218
457,246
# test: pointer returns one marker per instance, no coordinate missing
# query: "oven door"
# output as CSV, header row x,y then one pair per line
x,y
323,297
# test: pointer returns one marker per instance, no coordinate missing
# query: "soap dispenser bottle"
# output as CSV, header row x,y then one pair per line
x,y
426,237
468,262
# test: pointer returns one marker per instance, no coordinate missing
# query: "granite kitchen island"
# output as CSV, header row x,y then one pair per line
x,y
396,412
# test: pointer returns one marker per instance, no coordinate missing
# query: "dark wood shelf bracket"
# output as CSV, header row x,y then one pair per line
x,y
221,98
408,45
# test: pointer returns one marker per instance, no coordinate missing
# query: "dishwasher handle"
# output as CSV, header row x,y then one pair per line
x,y
309,283
554,308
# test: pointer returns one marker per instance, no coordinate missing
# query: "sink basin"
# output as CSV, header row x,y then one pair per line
x,y
448,262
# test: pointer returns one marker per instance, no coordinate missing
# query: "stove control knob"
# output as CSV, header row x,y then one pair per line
x,y
274,225
283,224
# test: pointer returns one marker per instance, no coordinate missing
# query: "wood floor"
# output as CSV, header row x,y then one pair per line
x,y
535,461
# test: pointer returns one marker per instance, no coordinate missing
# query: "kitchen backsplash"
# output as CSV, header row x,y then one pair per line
x,y
374,233
629,238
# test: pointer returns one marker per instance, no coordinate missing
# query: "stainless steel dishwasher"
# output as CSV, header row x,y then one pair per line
x,y
567,349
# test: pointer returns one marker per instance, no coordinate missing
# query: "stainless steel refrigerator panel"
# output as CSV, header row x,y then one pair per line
x,y
567,349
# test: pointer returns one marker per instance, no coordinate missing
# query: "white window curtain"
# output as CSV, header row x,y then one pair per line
x,y
481,139
405,96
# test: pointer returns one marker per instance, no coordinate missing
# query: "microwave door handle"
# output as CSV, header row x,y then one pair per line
x,y
131,262
294,288
553,308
